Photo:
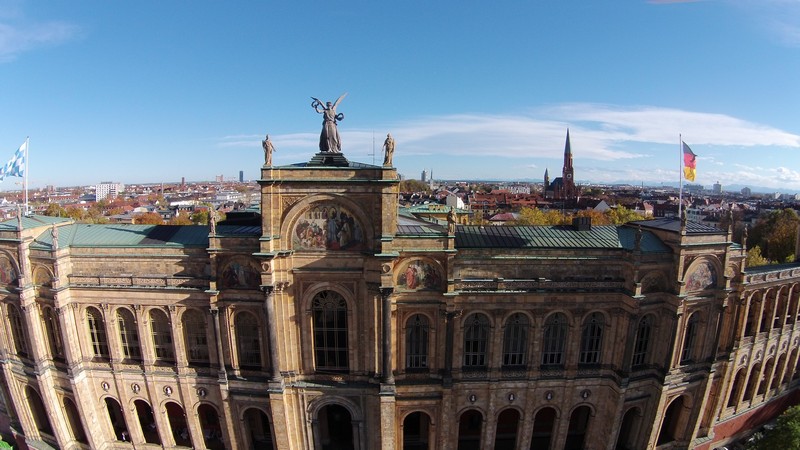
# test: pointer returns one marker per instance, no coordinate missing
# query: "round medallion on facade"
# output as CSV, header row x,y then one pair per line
x,y
202,392
105,386
472,398
549,395
167,391
585,394
135,388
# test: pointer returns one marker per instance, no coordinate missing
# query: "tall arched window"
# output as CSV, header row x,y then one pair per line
x,y
688,354
515,340
248,340
554,340
417,342
641,345
53,331
162,336
476,339
194,327
331,351
97,333
128,335
592,339
18,331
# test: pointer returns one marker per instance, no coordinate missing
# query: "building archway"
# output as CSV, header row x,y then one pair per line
x,y
416,431
40,416
631,421
117,419
177,423
578,425
470,425
505,437
148,422
258,429
335,428
74,421
543,425
210,424
670,426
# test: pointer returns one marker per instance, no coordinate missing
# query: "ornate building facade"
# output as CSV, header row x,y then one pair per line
x,y
328,322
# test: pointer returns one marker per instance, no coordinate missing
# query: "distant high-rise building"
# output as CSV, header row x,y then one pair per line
x,y
747,192
108,189
717,188
424,176
241,176
219,178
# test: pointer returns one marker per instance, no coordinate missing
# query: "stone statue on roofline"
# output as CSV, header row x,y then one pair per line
x,y
329,141
451,221
388,148
268,149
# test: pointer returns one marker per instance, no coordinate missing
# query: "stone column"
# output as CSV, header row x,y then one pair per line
x,y
449,317
386,315
272,329
223,376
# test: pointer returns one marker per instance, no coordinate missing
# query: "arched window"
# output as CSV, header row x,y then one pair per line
x,y
74,421
553,343
690,340
476,339
592,339
97,333
331,351
18,331
194,327
417,342
248,340
736,388
641,346
53,331
162,336
515,341
128,336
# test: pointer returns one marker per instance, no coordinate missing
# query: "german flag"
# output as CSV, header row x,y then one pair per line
x,y
689,162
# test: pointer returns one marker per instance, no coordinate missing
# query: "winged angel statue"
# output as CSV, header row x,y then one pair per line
x,y
329,138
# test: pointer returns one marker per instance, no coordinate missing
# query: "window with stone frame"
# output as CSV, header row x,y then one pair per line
x,y
97,333
515,341
53,330
554,340
641,345
18,331
162,336
417,342
128,335
476,341
194,328
329,315
592,339
248,340
689,351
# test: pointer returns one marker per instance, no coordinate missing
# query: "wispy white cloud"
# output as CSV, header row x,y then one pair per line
x,y
19,35
779,19
602,132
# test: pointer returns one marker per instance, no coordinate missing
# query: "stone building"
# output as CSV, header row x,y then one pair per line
x,y
330,322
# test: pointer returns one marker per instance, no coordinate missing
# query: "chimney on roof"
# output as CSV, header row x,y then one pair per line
x,y
582,223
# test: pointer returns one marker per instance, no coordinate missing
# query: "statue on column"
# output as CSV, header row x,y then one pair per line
x,y
329,137
388,148
451,221
268,149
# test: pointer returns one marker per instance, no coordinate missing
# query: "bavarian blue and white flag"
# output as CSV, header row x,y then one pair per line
x,y
16,166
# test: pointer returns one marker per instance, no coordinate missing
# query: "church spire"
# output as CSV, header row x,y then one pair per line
x,y
567,153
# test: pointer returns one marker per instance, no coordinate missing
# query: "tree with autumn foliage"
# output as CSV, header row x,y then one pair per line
x,y
785,435
776,234
148,218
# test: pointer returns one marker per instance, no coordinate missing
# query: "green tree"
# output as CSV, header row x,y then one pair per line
x,y
414,186
776,234
75,213
55,210
536,216
181,219
754,258
785,435
621,214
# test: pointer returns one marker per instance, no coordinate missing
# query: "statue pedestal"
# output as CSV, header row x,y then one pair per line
x,y
329,159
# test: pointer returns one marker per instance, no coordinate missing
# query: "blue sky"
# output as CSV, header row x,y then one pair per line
x,y
151,91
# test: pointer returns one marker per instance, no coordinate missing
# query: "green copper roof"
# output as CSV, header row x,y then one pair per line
x,y
29,222
561,237
124,235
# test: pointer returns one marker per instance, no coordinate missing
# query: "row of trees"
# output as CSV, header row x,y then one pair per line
x,y
613,216
100,212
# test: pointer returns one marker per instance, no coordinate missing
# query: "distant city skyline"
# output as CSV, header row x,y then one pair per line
x,y
151,91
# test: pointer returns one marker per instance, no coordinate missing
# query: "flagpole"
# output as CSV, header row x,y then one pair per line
x,y
680,175
27,169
